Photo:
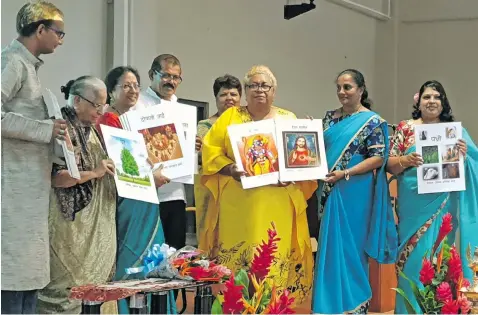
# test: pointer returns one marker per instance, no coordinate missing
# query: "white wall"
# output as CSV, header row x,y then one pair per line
x,y
386,66
425,39
438,39
84,48
214,37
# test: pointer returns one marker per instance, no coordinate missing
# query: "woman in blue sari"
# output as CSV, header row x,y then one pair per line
x,y
138,224
420,215
356,214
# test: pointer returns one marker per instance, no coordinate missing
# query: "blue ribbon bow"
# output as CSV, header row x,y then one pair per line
x,y
152,259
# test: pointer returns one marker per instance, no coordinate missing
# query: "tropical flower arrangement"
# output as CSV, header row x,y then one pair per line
x,y
197,266
251,292
442,279
187,263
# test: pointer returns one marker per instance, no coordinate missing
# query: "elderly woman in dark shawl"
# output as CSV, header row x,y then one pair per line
x,y
82,212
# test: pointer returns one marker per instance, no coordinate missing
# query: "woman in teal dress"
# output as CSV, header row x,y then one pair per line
x,y
354,204
138,224
420,216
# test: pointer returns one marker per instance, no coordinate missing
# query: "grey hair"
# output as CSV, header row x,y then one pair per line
x,y
79,86
260,69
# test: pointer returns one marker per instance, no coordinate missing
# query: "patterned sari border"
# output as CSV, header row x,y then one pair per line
x,y
413,241
346,147
365,304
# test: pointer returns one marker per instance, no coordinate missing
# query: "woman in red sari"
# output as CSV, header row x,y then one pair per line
x,y
138,223
122,84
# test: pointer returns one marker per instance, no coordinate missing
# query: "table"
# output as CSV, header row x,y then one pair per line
x,y
138,292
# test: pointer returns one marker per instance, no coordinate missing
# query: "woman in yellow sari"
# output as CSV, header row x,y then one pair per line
x,y
240,218
227,91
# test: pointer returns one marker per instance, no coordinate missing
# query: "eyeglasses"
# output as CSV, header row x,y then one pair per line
x,y
98,107
262,87
59,33
167,76
130,87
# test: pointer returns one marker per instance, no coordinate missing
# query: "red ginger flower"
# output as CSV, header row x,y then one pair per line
x,y
233,303
427,273
454,266
198,273
445,228
264,257
450,307
444,292
464,304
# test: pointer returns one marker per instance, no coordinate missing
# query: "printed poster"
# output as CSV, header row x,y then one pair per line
x,y
187,115
63,148
133,176
164,138
255,152
443,165
301,149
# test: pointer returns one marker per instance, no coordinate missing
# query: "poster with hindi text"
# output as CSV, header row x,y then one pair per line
x,y
187,115
133,175
443,165
164,138
255,152
300,144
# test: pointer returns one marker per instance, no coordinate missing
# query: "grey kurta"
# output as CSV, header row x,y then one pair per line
x,y
26,172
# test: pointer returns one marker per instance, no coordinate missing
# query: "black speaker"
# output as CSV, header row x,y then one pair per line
x,y
293,10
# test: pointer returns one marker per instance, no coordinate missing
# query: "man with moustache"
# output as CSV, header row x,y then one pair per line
x,y
27,136
165,76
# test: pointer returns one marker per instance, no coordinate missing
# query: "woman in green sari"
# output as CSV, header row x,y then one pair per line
x,y
420,215
138,223
82,212
227,91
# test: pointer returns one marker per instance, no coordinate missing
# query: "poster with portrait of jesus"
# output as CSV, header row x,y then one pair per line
x,y
301,150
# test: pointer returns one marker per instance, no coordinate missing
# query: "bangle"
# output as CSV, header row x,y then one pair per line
x,y
400,161
347,174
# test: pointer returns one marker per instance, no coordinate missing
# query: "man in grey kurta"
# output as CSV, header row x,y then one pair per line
x,y
27,135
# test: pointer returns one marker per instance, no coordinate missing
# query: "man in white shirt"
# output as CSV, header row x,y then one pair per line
x,y
165,76
27,136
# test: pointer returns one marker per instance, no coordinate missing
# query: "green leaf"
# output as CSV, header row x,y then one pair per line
x,y
264,302
415,291
436,281
440,276
446,251
408,304
241,278
216,307
266,297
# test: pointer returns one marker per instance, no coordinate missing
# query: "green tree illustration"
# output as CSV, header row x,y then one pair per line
x,y
129,163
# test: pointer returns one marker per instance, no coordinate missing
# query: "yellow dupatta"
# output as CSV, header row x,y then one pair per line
x,y
201,193
237,219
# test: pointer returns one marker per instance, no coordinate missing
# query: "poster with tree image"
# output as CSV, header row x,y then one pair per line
x,y
133,177
443,165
